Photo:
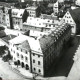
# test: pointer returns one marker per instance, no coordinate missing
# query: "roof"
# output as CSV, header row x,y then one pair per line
x,y
75,13
25,45
8,37
2,34
46,41
17,13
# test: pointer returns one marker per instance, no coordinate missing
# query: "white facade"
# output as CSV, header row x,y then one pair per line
x,y
38,22
68,19
55,7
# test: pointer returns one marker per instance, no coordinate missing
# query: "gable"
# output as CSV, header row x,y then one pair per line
x,y
68,18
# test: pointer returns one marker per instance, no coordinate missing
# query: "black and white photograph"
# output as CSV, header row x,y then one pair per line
x,y
39,39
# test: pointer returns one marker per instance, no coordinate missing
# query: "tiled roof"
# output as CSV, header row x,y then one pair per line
x,y
8,37
25,45
46,41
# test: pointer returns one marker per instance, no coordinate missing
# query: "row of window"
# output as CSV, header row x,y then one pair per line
x,y
20,50
38,70
22,57
39,63
34,55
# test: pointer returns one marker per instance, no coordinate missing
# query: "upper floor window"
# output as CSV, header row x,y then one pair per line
x,y
38,55
26,58
39,70
33,61
39,63
21,56
33,54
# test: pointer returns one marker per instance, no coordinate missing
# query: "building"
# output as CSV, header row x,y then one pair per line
x,y
5,15
33,11
6,20
47,49
20,51
72,17
18,17
38,24
56,7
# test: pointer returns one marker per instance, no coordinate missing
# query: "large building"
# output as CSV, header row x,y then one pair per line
x,y
37,53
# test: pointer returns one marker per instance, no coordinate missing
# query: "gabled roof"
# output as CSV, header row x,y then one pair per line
x,y
46,41
25,45
75,14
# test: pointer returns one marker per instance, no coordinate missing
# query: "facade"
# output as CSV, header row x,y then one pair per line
x,y
47,48
38,24
33,11
18,17
20,51
69,19
72,17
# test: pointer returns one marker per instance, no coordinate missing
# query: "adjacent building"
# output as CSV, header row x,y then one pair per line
x,y
18,17
33,11
72,17
56,7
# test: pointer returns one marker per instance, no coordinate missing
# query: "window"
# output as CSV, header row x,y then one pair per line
x,y
26,52
33,61
17,48
21,50
39,70
38,55
14,51
26,58
33,54
17,54
34,69
38,62
21,56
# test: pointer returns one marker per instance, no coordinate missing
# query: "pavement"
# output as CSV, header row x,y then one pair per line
x,y
7,74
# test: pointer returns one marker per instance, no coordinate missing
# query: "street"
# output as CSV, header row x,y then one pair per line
x,y
7,74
